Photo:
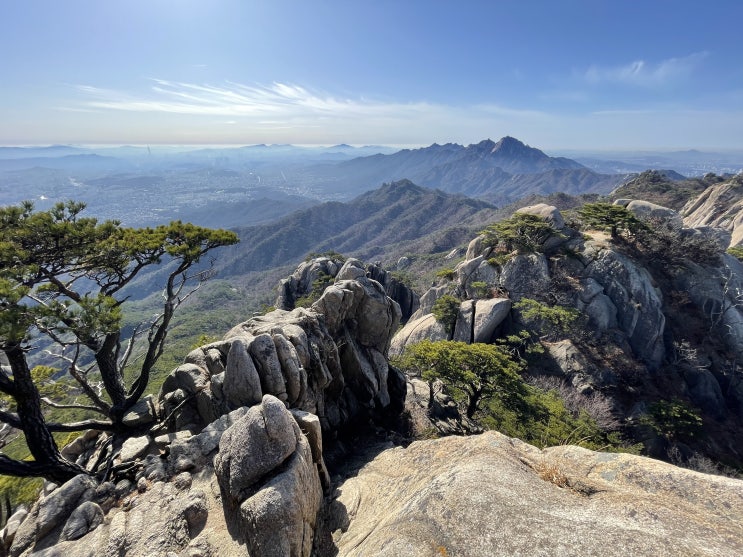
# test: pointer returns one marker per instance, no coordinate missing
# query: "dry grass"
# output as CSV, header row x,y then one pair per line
x,y
553,471
550,471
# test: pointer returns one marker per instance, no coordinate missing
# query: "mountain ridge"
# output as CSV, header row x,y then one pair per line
x,y
500,172
396,212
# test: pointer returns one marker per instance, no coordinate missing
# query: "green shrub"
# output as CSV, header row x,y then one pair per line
x,y
479,289
521,345
523,232
500,259
675,420
403,277
446,273
615,219
20,490
474,373
550,320
445,310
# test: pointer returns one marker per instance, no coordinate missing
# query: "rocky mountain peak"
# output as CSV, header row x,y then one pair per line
x,y
512,146
515,157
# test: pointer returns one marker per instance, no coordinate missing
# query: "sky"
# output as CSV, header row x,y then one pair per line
x,y
568,74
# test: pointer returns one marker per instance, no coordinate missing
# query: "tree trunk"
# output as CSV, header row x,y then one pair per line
x,y
48,462
106,357
473,401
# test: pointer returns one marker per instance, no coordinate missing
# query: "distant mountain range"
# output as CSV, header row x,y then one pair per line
x,y
250,185
499,172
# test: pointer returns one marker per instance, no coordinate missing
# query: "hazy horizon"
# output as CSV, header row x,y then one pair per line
x,y
581,74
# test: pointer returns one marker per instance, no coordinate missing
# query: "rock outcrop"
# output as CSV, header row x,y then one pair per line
x,y
247,416
616,292
719,206
635,311
310,274
329,360
268,478
491,495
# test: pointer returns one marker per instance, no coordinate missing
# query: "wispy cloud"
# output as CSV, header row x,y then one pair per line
x,y
285,112
235,99
646,74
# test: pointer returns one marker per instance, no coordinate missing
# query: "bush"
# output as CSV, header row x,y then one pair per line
x,y
523,232
552,321
614,219
445,310
446,273
543,418
479,289
474,373
485,381
675,420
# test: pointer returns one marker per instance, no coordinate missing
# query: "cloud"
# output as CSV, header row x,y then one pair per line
x,y
228,112
235,99
289,113
645,74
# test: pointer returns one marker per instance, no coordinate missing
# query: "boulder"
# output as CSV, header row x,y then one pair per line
x,y
290,367
266,467
549,213
645,210
426,327
241,384
525,274
279,519
352,269
395,289
718,294
639,305
482,496
158,523
552,215
705,391
311,428
474,248
143,412
464,325
51,511
263,351
489,314
11,526
83,519
197,448
82,446
301,282
134,448
254,445
482,272
429,298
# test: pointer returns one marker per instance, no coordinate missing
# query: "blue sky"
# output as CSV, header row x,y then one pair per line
x,y
650,74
